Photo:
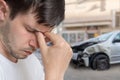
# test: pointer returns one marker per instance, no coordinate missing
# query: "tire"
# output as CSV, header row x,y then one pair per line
x,y
100,62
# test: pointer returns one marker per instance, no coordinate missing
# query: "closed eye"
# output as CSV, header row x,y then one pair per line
x,y
29,29
32,31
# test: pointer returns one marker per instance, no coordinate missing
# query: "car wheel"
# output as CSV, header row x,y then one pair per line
x,y
100,62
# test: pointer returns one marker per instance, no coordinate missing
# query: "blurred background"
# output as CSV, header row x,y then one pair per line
x,y
86,19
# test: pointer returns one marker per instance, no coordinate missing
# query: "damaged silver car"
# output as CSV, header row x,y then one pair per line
x,y
103,51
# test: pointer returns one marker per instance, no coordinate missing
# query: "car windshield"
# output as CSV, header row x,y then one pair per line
x,y
104,37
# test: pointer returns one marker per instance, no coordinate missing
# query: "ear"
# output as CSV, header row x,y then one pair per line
x,y
3,10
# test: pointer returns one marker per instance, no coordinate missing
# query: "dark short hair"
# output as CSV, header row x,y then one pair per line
x,y
47,11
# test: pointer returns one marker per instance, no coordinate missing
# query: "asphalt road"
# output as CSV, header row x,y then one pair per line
x,y
83,73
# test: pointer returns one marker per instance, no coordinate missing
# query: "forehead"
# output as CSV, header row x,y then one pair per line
x,y
30,20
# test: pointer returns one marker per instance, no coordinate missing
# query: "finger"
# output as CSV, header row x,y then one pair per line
x,y
54,38
41,42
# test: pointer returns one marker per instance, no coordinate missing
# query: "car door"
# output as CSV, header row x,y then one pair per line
x,y
115,48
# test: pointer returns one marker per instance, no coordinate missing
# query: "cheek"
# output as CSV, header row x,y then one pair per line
x,y
19,39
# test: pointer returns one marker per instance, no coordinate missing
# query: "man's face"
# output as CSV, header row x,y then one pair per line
x,y
19,35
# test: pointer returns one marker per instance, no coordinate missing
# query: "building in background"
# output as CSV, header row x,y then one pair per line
x,y
86,19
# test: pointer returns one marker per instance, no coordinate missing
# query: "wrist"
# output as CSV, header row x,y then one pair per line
x,y
53,76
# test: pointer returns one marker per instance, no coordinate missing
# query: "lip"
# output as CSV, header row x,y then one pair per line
x,y
28,52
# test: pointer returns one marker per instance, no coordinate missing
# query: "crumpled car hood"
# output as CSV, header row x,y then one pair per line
x,y
101,47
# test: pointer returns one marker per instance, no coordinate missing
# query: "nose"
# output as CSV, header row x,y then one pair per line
x,y
33,44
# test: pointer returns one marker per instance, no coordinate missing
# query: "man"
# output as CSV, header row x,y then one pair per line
x,y
26,25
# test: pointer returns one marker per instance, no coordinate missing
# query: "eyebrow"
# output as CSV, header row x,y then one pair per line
x,y
36,30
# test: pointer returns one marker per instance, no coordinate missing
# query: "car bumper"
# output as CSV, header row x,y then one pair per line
x,y
85,58
86,61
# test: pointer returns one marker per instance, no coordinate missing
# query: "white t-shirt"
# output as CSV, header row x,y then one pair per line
x,y
25,69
